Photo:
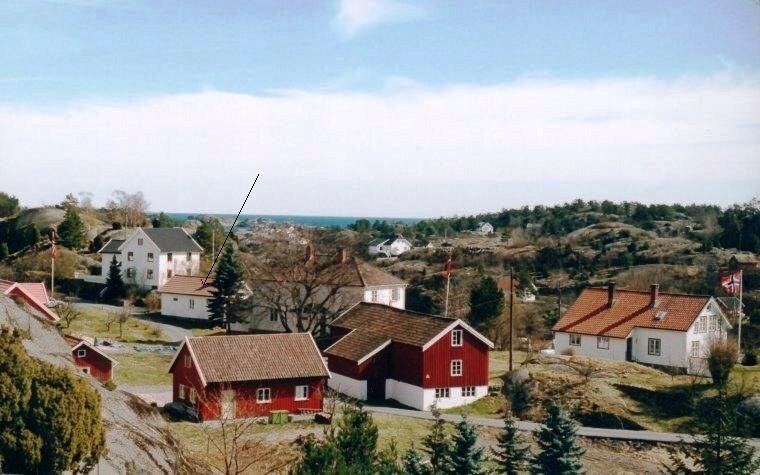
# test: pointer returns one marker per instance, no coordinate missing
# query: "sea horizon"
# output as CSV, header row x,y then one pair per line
x,y
305,220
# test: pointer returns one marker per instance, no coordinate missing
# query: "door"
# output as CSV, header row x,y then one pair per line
x,y
629,349
228,404
376,374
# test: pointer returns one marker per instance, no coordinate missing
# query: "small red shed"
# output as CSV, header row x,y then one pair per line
x,y
93,361
237,376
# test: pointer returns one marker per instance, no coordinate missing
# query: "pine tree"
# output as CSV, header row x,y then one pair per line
x,y
3,250
486,302
465,457
413,464
225,302
510,457
72,231
357,436
559,453
33,236
437,445
114,282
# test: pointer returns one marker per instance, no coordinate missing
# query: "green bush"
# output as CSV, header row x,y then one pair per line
x,y
750,358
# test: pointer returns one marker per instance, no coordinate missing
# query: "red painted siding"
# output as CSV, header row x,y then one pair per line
x,y
437,363
406,364
99,366
343,366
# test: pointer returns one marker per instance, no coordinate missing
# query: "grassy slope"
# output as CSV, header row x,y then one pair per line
x,y
139,369
94,323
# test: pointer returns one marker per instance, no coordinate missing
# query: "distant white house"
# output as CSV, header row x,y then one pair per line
x,y
654,328
389,247
150,256
186,296
484,228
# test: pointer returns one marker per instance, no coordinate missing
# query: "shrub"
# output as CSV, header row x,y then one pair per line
x,y
721,358
110,385
152,302
750,358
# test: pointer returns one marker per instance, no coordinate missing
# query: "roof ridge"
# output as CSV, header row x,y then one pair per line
x,y
646,292
406,310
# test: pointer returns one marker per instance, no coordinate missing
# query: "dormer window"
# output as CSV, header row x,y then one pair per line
x,y
139,241
456,338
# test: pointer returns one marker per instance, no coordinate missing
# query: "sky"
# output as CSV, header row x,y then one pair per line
x,y
380,107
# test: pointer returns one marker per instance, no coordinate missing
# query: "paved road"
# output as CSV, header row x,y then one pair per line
x,y
642,435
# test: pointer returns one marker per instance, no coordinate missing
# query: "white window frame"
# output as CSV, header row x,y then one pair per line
x,y
130,256
654,347
193,395
263,395
603,342
131,272
191,303
713,323
175,299
149,274
188,361
468,391
456,367
395,294
273,316
150,257
169,257
189,257
301,393
572,337
442,393
81,353
139,241
181,391
457,337
373,296
695,347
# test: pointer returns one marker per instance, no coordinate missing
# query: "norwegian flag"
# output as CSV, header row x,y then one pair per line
x,y
53,252
731,282
447,269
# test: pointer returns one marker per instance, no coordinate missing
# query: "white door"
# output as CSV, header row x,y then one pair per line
x,y
228,404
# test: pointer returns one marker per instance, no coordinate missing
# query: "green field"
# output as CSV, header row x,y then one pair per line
x,y
142,369
102,324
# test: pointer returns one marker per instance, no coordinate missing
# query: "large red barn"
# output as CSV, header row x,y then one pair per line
x,y
237,376
380,352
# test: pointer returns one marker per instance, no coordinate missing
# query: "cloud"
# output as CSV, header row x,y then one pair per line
x,y
356,15
416,151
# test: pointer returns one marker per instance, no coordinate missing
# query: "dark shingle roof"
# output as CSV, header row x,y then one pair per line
x,y
112,246
172,240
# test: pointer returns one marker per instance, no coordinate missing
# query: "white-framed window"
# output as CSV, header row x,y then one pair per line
x,y
575,340
182,391
150,257
191,302
193,395
175,299
130,256
302,393
263,395
468,391
713,323
456,337
441,393
701,326
188,361
149,274
189,256
81,353
654,346
394,294
373,296
603,342
456,367
169,256
130,272
273,316
695,349
139,241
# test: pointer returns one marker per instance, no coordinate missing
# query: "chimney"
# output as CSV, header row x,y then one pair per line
x,y
654,292
342,255
610,294
310,253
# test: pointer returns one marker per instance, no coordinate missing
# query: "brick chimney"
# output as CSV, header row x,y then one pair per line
x,y
610,294
654,295
310,253
342,255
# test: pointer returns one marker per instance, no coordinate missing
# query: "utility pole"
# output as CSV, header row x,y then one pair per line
x,y
511,314
741,312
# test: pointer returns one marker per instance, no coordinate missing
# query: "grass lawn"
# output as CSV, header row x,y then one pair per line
x,y
142,369
95,323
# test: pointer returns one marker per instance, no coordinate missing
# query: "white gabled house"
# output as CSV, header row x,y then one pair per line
x,y
389,247
151,256
186,296
483,228
667,330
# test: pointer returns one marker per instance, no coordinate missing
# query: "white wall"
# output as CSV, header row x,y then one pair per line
x,y
176,305
179,265
589,348
384,294
140,260
455,400
348,386
405,393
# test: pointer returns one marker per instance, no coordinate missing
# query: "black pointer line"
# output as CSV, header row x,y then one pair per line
x,y
221,248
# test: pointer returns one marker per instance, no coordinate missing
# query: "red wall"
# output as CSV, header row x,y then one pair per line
x,y
437,363
406,363
100,367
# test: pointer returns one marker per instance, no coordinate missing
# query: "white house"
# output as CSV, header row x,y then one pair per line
x,y
389,247
150,256
655,328
484,228
186,296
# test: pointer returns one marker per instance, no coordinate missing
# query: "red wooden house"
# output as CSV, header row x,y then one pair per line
x,y
236,376
33,293
380,352
93,361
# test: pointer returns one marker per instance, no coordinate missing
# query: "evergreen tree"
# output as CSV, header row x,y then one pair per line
x,y
465,457
718,451
357,436
413,464
486,302
114,283
3,250
97,243
8,205
510,457
437,445
319,457
210,235
559,453
225,302
71,231
163,221
33,235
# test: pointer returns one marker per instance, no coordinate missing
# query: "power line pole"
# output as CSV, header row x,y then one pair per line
x,y
511,314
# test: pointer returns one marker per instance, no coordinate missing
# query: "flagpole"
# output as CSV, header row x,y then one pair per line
x,y
52,275
741,311
448,283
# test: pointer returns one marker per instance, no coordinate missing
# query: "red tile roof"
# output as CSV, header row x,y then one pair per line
x,y
590,314
188,285
232,358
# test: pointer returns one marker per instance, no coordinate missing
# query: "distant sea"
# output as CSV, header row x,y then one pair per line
x,y
314,221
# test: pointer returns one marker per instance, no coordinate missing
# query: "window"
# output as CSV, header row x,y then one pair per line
x,y
456,367
603,342
456,338
653,347
169,274
273,316
150,257
81,353
131,272
394,294
150,274
192,303
713,323
175,299
468,391
139,241
695,349
302,393
182,391
189,256
442,393
373,296
86,370
169,257
263,395
130,256
575,340
188,361
701,326
193,395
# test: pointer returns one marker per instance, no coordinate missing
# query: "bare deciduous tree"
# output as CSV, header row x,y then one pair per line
x,y
67,312
132,208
